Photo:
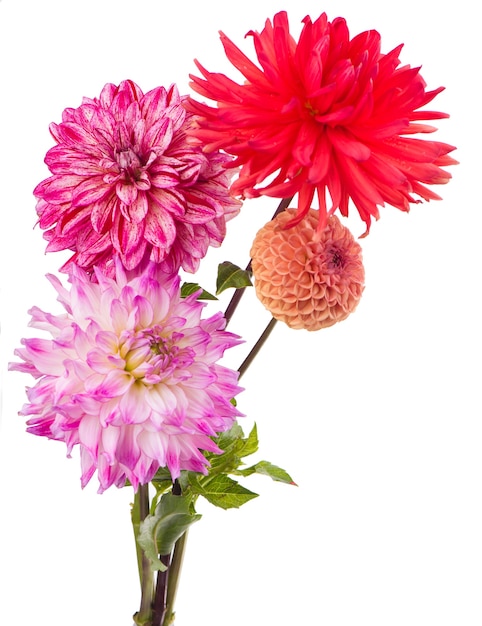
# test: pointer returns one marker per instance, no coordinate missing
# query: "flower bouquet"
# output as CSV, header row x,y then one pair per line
x,y
141,186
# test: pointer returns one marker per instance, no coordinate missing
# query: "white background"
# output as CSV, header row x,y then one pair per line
x,y
378,419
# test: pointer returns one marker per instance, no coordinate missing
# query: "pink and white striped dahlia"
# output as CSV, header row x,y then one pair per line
x,y
130,375
126,182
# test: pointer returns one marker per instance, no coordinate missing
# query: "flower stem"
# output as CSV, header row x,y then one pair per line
x,y
159,610
257,347
174,572
167,580
144,616
236,298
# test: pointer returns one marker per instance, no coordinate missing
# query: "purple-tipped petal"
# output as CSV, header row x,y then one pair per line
x,y
130,374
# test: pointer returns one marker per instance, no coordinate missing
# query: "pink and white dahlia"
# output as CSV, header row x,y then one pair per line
x,y
130,374
328,115
127,182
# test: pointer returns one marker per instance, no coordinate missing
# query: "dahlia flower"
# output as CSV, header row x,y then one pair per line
x,y
306,281
127,182
328,115
130,374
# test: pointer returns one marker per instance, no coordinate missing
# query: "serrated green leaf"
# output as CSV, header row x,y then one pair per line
x,y
250,445
268,469
229,437
189,288
234,447
159,532
223,491
230,275
233,439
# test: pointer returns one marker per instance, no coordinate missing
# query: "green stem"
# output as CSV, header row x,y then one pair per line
x,y
136,520
141,508
167,581
257,347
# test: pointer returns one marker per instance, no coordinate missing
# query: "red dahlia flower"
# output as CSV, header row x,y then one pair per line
x,y
328,114
127,182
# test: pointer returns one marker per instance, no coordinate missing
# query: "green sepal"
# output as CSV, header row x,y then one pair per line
x,y
189,288
230,275
222,491
268,469
159,532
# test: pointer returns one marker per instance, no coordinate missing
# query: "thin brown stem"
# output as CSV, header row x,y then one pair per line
x,y
257,347
238,294
235,300
161,592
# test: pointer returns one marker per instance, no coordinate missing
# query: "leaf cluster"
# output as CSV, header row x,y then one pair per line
x,y
171,515
230,276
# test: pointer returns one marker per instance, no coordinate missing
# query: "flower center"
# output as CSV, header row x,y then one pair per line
x,y
160,346
151,357
129,164
335,259
312,111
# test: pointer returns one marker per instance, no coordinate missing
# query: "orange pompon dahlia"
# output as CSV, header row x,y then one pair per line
x,y
328,115
305,280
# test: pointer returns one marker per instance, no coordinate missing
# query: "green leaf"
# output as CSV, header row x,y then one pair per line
x,y
162,482
234,447
159,532
223,491
225,439
230,275
161,487
232,439
250,445
162,474
189,288
268,469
